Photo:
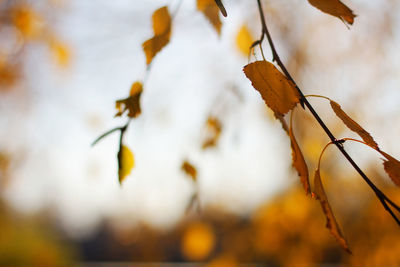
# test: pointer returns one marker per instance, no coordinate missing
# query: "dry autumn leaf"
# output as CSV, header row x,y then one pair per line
x,y
278,92
132,103
210,9
221,7
335,8
214,127
126,162
281,119
189,169
392,167
331,222
244,40
352,125
298,161
162,32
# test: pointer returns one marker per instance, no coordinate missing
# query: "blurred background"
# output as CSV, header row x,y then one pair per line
x,y
63,63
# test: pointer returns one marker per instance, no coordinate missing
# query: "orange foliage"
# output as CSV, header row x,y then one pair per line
x,y
198,241
162,32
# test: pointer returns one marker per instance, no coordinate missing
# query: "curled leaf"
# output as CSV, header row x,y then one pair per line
x,y
131,103
244,40
189,169
352,125
335,8
298,161
126,162
331,222
278,92
392,168
281,119
162,32
221,7
214,128
211,10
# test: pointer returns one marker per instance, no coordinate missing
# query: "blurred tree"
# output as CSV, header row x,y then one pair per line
x,y
23,24
30,242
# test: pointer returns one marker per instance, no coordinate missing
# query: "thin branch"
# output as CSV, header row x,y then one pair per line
x,y
105,134
381,196
178,6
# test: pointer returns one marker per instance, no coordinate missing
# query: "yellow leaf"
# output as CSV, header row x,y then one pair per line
x,y
335,8
126,162
189,169
392,168
278,92
214,127
352,125
331,222
61,53
131,103
244,40
210,9
162,32
298,162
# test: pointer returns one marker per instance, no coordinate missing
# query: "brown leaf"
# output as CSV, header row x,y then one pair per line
x,y
214,127
278,92
221,7
298,161
392,168
352,125
335,8
281,119
189,169
331,222
162,32
132,103
210,9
